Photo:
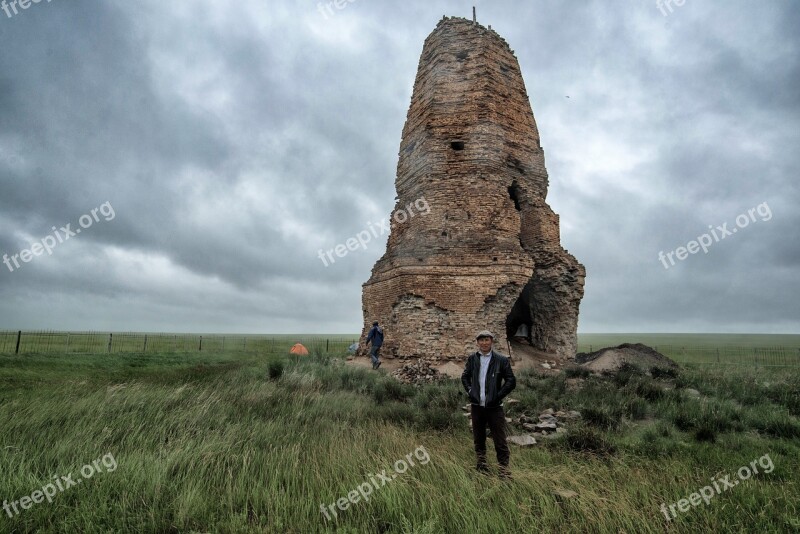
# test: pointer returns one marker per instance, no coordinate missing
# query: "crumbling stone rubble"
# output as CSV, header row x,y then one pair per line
x,y
420,371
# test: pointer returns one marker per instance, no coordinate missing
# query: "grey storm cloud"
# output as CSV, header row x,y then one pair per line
x,y
237,140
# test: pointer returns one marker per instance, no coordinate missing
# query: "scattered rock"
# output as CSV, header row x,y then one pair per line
x,y
546,427
564,494
692,392
523,440
419,372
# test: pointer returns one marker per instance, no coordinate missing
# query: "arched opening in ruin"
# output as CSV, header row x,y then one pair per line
x,y
519,322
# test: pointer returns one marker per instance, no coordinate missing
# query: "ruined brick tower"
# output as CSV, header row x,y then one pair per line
x,y
487,253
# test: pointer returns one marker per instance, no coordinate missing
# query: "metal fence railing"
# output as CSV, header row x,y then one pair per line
x,y
49,342
41,342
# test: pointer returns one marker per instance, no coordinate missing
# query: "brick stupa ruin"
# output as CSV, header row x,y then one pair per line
x,y
487,254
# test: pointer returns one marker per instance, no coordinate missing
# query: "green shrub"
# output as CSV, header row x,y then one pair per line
x,y
601,417
624,374
636,409
776,425
649,390
705,432
707,419
275,369
437,418
397,413
577,372
583,439
447,396
663,372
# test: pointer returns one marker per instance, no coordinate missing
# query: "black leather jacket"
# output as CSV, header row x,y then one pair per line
x,y
500,379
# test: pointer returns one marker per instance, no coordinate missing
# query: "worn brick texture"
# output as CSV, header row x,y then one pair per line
x,y
486,254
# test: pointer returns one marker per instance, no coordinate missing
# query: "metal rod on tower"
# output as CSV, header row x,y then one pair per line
x,y
474,17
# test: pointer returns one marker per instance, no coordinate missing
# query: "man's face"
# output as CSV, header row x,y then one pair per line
x,y
485,344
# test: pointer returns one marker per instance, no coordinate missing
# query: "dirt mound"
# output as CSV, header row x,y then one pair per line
x,y
610,359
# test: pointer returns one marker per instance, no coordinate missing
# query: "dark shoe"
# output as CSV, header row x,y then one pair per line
x,y
379,364
505,474
482,469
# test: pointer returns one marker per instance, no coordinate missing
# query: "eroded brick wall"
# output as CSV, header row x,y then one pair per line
x,y
471,149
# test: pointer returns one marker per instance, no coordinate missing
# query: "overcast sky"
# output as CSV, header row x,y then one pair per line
x,y
222,144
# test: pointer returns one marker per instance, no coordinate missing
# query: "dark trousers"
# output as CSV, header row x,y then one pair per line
x,y
495,419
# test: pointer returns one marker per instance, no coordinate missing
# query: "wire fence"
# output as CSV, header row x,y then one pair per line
x,y
37,342
49,342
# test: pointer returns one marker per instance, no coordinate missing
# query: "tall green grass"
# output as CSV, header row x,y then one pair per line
x,y
234,442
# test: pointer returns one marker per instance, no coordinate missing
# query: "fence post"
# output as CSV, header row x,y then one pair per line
x,y
244,345
110,337
19,337
145,343
201,343
66,349
326,345
223,343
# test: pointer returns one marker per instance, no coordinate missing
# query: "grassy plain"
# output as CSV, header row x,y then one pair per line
x,y
257,441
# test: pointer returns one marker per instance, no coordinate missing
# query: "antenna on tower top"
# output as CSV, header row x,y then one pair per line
x,y
474,18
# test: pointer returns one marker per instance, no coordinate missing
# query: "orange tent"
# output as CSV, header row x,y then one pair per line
x,y
298,349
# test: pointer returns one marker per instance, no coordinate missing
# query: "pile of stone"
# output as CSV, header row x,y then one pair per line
x,y
548,424
420,371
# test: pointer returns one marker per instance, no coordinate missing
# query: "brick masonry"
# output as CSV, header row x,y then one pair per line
x,y
488,252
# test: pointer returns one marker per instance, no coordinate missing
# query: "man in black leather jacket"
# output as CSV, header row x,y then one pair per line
x,y
487,379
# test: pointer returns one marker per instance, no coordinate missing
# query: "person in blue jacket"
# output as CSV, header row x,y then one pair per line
x,y
376,337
